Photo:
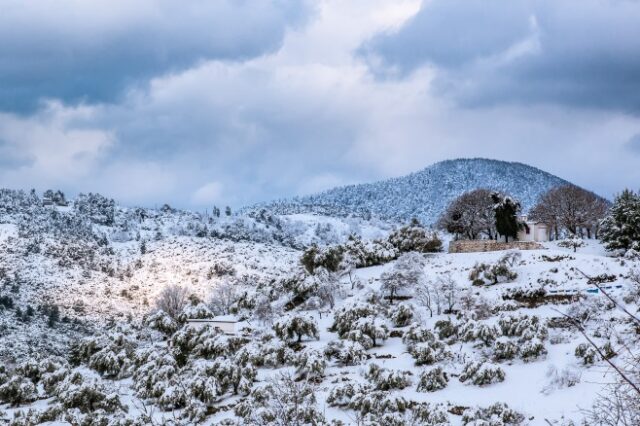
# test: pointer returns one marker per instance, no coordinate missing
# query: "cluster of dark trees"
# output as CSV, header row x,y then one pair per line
x,y
483,214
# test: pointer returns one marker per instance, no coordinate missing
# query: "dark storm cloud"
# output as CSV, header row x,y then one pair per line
x,y
93,51
583,54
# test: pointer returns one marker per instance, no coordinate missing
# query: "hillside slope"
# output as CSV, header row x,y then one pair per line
x,y
425,194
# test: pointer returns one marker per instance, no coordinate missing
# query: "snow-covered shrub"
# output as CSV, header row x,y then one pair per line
x,y
269,351
342,394
586,353
572,243
368,331
345,317
511,258
87,395
504,350
18,390
154,371
195,311
414,237
560,379
328,258
428,353
498,414
296,326
310,365
377,402
110,354
474,331
424,413
346,353
481,374
484,274
282,401
523,326
161,321
203,342
447,330
532,350
433,380
401,315
417,334
385,379
369,253
406,273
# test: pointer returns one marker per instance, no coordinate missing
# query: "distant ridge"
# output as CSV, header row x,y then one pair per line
x,y
426,193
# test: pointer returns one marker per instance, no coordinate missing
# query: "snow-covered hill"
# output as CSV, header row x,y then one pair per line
x,y
425,194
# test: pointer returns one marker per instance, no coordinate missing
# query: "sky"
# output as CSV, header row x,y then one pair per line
x,y
229,102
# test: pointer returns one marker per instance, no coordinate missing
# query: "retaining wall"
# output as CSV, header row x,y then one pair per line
x,y
474,246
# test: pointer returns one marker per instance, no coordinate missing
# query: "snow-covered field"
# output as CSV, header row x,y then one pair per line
x,y
426,339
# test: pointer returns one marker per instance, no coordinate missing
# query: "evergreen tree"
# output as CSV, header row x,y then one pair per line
x,y
227,211
621,226
506,211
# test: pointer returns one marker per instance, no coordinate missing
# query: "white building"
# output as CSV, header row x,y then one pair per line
x,y
533,231
228,324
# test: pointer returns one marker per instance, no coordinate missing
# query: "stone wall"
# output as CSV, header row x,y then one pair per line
x,y
473,246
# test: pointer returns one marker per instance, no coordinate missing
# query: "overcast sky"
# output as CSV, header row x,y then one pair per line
x,y
206,102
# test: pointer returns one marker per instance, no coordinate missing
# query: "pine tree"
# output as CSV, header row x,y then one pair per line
x,y
621,227
506,210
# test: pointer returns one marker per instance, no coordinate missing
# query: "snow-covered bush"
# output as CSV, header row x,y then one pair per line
x,y
414,237
406,273
484,274
110,353
560,379
496,414
532,350
428,353
195,311
296,326
525,327
346,353
269,351
161,321
481,374
474,331
586,353
310,365
424,413
345,317
401,315
433,380
417,334
385,379
368,331
17,391
87,396
504,350
572,243
447,330
341,394
282,401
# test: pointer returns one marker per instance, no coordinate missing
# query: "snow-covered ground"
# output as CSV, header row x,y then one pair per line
x,y
109,334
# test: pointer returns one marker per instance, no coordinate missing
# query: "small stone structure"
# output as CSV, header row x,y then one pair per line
x,y
474,246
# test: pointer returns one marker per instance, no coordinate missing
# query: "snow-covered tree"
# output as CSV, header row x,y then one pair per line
x,y
621,226
406,273
506,211
415,237
295,327
470,216
573,243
